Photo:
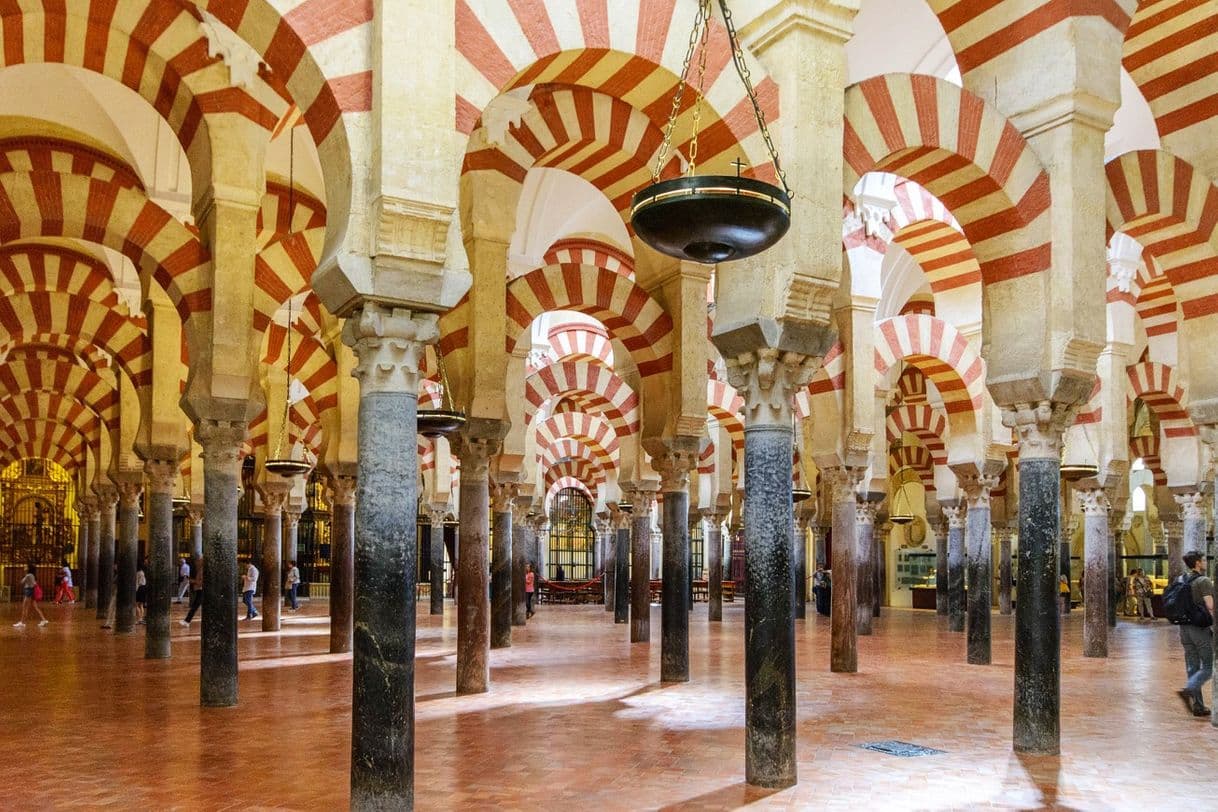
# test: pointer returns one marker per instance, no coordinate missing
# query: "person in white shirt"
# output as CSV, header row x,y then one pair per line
x,y
183,581
292,581
249,583
65,586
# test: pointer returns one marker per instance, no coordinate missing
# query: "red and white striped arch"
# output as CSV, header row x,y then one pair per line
x,y
602,389
962,151
312,363
1159,388
28,267
54,409
1158,308
44,154
1092,412
927,423
579,469
27,374
828,380
585,251
1171,53
1146,448
938,349
629,49
562,482
1172,210
581,342
291,230
590,428
43,438
726,406
918,459
572,448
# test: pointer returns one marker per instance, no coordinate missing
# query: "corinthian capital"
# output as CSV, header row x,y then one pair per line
x,y
768,379
503,496
342,489
1192,505
1094,502
673,465
955,515
389,345
1040,426
162,475
977,489
843,482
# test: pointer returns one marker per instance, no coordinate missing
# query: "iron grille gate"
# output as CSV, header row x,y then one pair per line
x,y
572,537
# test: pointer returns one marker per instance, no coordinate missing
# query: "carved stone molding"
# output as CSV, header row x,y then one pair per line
x,y
411,229
955,515
1094,502
1192,505
389,345
1040,426
843,482
342,489
162,476
767,380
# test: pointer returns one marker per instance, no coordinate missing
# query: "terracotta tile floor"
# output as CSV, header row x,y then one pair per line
x,y
576,718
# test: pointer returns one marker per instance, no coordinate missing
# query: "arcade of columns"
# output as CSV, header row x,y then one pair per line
x,y
986,293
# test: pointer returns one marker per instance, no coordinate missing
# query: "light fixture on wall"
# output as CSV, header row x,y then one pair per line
x,y
447,419
711,218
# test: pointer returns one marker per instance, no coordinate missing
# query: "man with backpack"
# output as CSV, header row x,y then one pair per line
x,y
1189,603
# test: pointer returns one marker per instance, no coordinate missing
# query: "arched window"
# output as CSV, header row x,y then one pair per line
x,y
572,537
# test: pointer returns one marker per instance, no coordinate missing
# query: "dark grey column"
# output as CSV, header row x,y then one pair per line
x,y
522,539
342,561
865,547
389,347
979,571
473,601
274,498
82,550
643,499
291,538
194,515
1114,575
107,500
94,519
1004,572
880,569
127,552
501,566
621,578
606,531
942,600
221,442
436,515
843,609
674,467
1036,719
1097,583
161,572
956,606
714,556
800,550
1063,558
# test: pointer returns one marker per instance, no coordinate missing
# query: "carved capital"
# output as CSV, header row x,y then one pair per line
x,y
1040,426
643,500
342,489
436,514
274,498
162,476
291,517
768,379
389,345
221,441
195,514
977,489
1094,502
1172,529
843,482
674,466
503,496
1192,505
603,525
129,491
955,515
475,454
864,512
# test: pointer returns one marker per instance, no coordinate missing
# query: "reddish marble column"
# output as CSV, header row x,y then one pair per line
x,y
1096,579
644,499
274,497
342,560
843,647
473,598
865,556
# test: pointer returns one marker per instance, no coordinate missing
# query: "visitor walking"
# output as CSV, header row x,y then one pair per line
x,y
822,590
31,593
196,595
1189,603
65,586
292,582
141,594
530,586
183,580
249,583
1142,590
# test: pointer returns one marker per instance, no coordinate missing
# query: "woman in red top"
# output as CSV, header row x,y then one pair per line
x,y
530,584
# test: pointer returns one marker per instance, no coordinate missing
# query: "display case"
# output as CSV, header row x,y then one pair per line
x,y
916,567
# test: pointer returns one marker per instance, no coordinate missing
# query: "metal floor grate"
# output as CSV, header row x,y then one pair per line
x,y
903,749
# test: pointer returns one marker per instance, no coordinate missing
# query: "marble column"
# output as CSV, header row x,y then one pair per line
x,y
94,520
473,601
606,531
291,532
980,597
714,556
1096,579
843,608
643,498
107,501
342,561
767,379
162,572
865,547
194,515
389,346
1005,582
436,514
522,539
1063,556
956,606
1173,532
942,598
800,552
82,550
1037,703
673,467
880,568
274,498
1192,519
621,577
127,552
502,496
221,442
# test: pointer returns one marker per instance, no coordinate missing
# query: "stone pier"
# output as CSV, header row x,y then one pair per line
x,y
1097,582
714,566
502,497
274,497
980,594
843,647
621,578
107,501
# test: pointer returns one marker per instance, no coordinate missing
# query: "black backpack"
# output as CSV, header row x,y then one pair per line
x,y
1181,609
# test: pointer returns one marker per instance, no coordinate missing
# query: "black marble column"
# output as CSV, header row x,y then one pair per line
x,y
273,500
865,546
82,550
800,551
1115,578
714,557
342,561
1097,583
194,515
501,567
1037,622
161,572
942,599
606,529
979,573
769,626
473,600
221,442
956,604
127,553
880,569
843,609
107,499
94,520
522,539
1063,556
621,578
1173,532
1005,582
674,607
640,564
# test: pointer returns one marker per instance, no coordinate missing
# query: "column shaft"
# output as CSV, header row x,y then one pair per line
x,y
609,572
95,545
1005,582
272,566
956,605
800,551
621,579
714,557
843,654
942,601
342,573
473,602
127,558
865,588
162,572
521,539
674,608
640,569
221,443
82,553
196,539
501,581
1096,580
980,580
436,587
105,559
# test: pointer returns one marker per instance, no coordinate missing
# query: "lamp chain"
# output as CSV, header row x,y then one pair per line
x,y
702,18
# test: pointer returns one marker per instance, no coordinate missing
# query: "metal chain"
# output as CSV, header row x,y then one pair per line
x,y
701,19
287,392
746,77
701,88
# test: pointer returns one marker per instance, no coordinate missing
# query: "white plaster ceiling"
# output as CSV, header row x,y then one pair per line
x,y
554,205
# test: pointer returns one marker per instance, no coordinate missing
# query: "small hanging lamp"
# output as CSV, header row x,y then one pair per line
x,y
800,495
901,515
1075,471
446,420
711,218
